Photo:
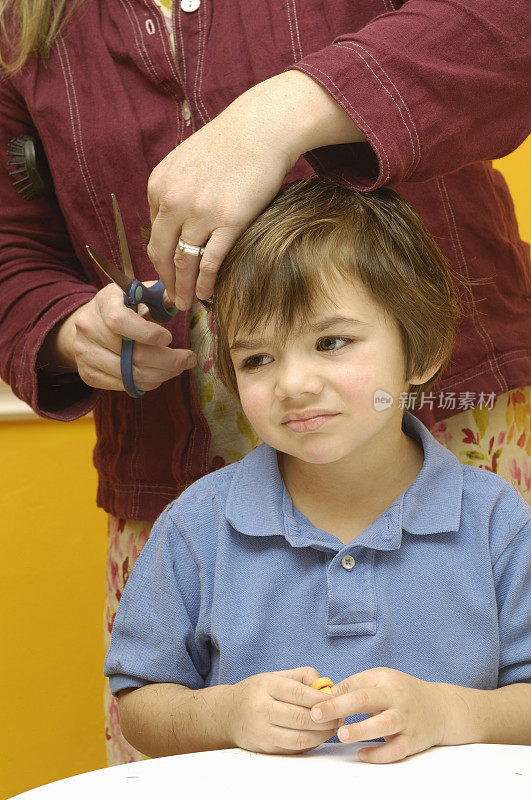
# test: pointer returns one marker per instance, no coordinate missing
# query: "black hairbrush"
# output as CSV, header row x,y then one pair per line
x,y
31,176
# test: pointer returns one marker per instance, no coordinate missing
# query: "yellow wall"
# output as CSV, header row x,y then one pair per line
x,y
52,573
516,169
51,579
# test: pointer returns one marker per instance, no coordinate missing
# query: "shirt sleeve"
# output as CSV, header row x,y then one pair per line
x,y
42,281
154,632
434,86
512,577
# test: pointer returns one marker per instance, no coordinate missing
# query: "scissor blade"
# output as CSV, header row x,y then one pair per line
x,y
125,256
109,269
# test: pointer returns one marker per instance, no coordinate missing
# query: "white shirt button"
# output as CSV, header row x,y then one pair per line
x,y
186,111
190,5
347,562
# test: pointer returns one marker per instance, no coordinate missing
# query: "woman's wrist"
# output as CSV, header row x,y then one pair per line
x,y
301,115
56,353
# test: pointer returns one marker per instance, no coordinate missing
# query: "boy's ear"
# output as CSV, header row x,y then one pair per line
x,y
418,378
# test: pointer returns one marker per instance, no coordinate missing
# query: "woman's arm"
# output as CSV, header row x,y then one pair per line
x,y
431,87
215,183
42,282
434,85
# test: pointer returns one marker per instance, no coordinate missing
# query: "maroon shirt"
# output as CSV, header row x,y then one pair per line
x,y
438,88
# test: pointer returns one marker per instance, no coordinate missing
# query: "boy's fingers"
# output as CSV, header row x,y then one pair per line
x,y
363,701
377,677
397,748
287,715
292,741
290,690
380,725
305,675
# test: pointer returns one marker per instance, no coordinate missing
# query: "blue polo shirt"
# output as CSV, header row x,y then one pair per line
x,y
235,581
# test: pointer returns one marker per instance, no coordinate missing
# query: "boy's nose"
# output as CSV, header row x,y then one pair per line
x,y
298,377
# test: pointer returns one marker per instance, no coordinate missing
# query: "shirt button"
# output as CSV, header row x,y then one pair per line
x,y
347,562
186,111
190,5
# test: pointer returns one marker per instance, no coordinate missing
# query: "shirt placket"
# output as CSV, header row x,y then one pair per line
x,y
190,26
150,45
351,602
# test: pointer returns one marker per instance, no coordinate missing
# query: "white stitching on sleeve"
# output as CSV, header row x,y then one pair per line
x,y
355,114
416,155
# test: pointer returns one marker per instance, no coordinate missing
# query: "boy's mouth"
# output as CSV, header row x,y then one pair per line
x,y
309,423
307,413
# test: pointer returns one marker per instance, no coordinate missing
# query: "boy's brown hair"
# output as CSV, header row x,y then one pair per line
x,y
315,231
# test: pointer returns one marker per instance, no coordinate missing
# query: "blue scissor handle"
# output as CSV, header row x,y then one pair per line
x,y
126,368
152,297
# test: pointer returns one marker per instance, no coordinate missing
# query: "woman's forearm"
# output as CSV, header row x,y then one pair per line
x,y
163,719
306,115
495,716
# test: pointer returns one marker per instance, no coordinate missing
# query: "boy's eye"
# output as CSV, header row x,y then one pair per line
x,y
253,362
328,339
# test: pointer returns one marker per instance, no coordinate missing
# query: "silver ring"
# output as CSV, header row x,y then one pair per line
x,y
190,249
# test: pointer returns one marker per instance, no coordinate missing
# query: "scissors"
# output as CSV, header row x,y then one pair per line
x,y
134,293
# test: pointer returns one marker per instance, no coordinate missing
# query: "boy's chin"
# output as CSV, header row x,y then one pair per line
x,y
316,453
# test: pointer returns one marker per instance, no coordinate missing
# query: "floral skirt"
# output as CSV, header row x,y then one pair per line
x,y
497,439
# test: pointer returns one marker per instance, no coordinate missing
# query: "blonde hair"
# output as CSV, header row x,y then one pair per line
x,y
315,231
30,26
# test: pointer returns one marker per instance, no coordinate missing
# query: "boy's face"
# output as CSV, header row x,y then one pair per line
x,y
336,373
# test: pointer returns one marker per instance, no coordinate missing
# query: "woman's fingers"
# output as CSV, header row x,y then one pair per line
x,y
216,250
209,189
100,367
122,321
162,246
99,330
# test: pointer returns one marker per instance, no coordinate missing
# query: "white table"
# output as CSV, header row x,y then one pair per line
x,y
331,772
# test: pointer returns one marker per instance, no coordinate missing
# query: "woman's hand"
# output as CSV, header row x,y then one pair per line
x,y
271,713
214,184
89,342
408,712
208,191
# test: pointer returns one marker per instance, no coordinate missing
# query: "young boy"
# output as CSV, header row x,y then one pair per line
x,y
350,543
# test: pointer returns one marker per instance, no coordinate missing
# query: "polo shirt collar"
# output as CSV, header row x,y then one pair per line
x,y
432,504
258,503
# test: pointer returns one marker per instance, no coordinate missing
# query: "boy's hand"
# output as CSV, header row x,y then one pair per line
x,y
271,713
406,711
